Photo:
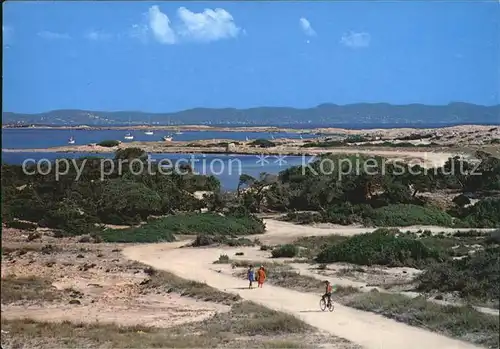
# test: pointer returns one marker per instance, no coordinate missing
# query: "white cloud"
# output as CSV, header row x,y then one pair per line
x,y
140,31
206,26
209,25
48,35
96,35
160,26
356,40
306,27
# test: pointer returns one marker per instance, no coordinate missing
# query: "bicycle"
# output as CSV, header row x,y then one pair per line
x,y
323,305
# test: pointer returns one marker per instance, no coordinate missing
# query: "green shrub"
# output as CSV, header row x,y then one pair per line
x,y
314,244
262,143
402,215
356,139
207,240
383,247
240,242
303,217
324,144
414,136
287,250
346,214
494,237
209,227
21,225
109,143
475,277
484,214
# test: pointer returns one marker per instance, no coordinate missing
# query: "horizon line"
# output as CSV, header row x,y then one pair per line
x,y
263,106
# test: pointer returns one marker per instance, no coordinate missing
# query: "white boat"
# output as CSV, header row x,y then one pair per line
x,y
71,140
167,138
149,132
179,132
128,136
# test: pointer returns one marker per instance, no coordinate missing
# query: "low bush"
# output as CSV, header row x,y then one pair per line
x,y
402,215
207,240
314,244
475,277
109,143
324,144
484,214
356,139
346,214
414,136
21,225
209,224
287,250
262,143
383,247
303,217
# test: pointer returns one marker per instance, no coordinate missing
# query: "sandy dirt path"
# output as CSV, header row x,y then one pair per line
x,y
282,232
366,329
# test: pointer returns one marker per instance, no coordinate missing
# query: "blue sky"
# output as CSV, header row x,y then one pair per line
x,y
170,56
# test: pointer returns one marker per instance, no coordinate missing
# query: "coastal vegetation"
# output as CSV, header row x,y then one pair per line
x,y
203,224
346,142
109,143
375,192
83,203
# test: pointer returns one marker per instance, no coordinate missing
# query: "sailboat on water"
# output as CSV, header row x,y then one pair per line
x,y
149,132
128,136
71,140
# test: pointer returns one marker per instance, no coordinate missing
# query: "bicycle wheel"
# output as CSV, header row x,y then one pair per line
x,y
331,307
322,304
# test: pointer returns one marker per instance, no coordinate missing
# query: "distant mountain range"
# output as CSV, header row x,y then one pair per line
x,y
324,114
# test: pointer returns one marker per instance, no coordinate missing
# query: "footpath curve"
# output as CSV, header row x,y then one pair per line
x,y
369,330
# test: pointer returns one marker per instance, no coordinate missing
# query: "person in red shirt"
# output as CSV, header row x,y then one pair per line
x,y
261,276
328,292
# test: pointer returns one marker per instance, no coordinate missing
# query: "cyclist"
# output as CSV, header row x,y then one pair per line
x,y
328,292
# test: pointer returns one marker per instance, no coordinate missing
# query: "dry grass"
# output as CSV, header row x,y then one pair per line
x,y
168,282
248,318
462,322
27,289
273,330
31,334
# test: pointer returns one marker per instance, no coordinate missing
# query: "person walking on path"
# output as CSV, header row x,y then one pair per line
x,y
261,276
250,276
